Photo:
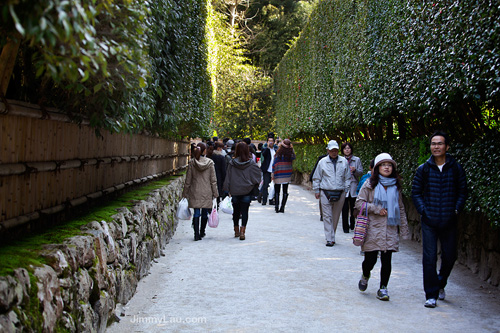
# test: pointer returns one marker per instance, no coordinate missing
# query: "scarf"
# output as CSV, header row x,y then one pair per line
x,y
388,199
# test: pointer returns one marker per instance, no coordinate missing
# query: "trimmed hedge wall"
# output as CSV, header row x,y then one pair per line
x,y
378,69
481,161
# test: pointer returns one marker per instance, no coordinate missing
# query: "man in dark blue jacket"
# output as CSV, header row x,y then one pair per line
x,y
439,192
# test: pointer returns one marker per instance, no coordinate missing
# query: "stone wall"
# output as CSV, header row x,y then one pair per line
x,y
478,242
90,275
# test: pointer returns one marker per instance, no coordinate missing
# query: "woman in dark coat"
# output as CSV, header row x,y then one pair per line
x,y
242,176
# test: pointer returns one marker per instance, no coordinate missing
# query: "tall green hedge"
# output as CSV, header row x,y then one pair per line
x,y
126,65
481,161
375,69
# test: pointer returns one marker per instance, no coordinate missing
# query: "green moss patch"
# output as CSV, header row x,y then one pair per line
x,y
25,252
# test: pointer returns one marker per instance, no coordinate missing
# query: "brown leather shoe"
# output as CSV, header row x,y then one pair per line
x,y
236,231
242,233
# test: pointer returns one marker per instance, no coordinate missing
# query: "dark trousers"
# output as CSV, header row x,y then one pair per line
x,y
385,270
266,176
448,239
277,190
347,209
241,203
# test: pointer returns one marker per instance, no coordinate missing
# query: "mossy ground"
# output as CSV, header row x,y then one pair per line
x,y
24,252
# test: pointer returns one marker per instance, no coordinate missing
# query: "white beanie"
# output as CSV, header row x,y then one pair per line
x,y
384,157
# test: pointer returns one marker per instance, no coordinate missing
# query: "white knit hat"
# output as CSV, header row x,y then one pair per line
x,y
384,157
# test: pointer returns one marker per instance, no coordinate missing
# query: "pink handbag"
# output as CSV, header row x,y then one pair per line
x,y
362,222
213,218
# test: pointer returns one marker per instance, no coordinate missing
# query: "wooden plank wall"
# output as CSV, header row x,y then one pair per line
x,y
84,163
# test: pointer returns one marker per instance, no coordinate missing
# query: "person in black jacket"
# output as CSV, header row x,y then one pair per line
x,y
439,193
267,169
215,153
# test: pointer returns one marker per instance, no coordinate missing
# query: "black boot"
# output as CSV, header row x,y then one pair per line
x,y
276,202
204,221
277,198
196,227
283,202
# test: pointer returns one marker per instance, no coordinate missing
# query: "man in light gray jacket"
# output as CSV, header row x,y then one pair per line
x,y
331,181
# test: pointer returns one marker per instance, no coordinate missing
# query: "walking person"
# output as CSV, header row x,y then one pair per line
x,y
356,171
366,176
200,188
242,178
439,192
331,181
282,173
267,168
214,152
381,196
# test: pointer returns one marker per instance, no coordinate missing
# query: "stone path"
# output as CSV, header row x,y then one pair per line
x,y
284,278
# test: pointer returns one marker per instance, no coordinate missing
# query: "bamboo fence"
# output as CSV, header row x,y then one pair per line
x,y
48,163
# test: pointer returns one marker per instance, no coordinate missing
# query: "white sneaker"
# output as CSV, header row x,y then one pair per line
x,y
442,294
430,303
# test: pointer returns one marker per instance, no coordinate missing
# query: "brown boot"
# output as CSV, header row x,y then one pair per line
x,y
236,231
242,233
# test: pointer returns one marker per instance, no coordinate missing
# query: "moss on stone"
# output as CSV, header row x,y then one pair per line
x,y
25,252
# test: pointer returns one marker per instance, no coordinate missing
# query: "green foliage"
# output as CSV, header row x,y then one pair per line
x,y
126,65
180,82
375,69
306,156
274,24
481,161
244,103
244,53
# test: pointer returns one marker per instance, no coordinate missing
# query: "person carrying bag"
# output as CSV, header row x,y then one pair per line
x,y
242,176
384,202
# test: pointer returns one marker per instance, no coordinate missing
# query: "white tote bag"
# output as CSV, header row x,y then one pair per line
x,y
183,211
226,205
271,190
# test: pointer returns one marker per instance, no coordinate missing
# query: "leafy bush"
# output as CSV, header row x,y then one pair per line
x,y
126,65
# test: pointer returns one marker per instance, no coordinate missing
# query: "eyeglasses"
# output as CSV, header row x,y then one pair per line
x,y
436,144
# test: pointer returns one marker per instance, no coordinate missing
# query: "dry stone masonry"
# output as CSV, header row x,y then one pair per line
x,y
90,275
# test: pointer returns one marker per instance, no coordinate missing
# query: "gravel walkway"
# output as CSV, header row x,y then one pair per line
x,y
284,278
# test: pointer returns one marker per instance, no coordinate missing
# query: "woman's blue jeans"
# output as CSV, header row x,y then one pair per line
x,y
203,212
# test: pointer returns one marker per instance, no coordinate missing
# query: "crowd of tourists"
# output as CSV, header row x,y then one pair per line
x,y
240,170
244,172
